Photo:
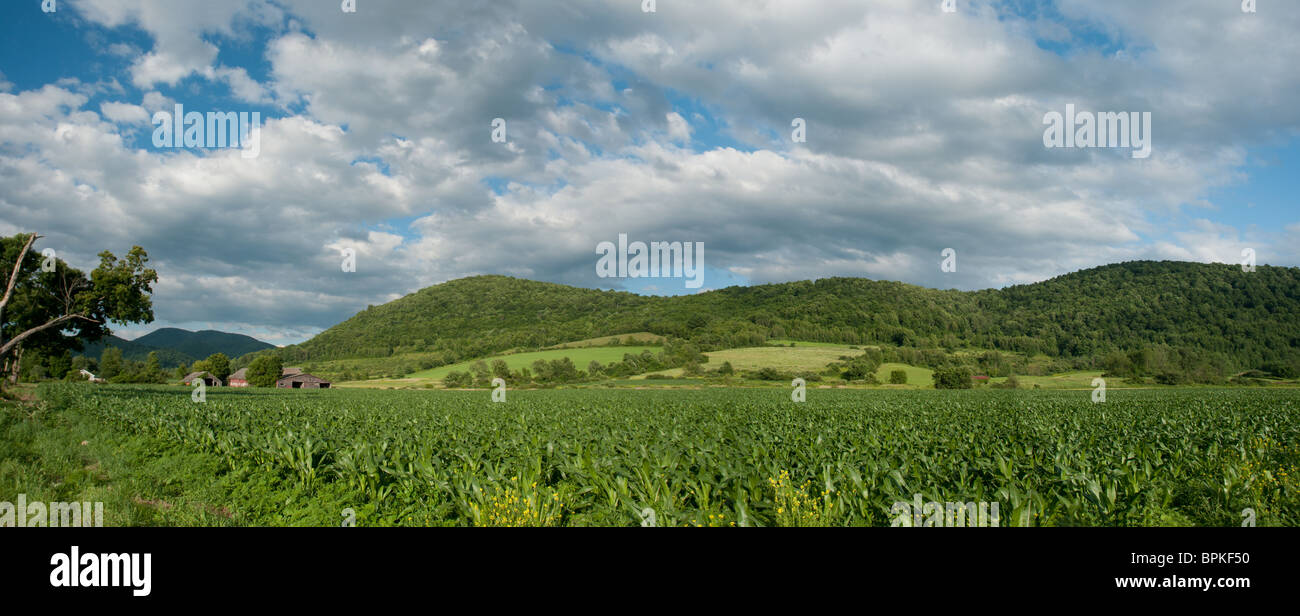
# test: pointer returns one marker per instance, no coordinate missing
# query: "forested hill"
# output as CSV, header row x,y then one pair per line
x,y
177,346
203,343
1247,319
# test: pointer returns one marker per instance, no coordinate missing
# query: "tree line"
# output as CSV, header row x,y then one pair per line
x,y
1227,319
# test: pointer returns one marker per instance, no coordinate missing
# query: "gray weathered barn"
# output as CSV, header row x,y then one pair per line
x,y
302,381
208,379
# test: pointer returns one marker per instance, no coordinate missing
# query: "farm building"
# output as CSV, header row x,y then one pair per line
x,y
302,380
208,379
240,377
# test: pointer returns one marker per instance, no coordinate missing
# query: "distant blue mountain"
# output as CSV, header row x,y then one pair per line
x,y
176,346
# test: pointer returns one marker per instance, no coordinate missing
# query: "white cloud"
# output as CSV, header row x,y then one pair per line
x,y
678,130
124,113
924,133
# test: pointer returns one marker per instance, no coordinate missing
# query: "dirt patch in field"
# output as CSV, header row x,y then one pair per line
x,y
150,502
219,511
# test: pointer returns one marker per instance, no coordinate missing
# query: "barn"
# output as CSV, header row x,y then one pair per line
x,y
302,380
239,378
208,379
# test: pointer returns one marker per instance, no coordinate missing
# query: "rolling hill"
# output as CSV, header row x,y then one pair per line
x,y
176,346
201,344
1237,319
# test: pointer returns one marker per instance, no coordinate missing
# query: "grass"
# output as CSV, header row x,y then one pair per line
x,y
828,345
803,357
916,377
786,359
580,356
68,457
1066,380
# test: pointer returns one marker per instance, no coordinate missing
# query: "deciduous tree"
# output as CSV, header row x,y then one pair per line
x,y
52,307
265,371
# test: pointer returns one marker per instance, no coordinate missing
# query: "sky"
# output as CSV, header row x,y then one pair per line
x,y
922,130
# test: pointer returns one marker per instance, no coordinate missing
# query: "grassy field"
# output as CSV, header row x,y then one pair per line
x,y
1068,380
916,377
580,356
829,345
707,457
803,357
786,359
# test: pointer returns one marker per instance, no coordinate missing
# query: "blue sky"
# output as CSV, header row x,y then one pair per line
x,y
924,133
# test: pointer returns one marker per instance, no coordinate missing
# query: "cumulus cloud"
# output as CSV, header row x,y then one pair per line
x,y
124,113
923,133
678,130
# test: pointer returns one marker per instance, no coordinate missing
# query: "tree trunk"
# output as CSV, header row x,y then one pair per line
x,y
9,291
17,366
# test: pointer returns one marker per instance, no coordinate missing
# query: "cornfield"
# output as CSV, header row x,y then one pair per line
x,y
737,457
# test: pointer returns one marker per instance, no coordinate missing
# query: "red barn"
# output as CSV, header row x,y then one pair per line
x,y
239,378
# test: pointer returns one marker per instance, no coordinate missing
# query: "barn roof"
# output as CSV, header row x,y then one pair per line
x,y
302,377
194,375
241,373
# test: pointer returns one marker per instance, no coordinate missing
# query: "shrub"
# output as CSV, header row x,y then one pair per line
x,y
898,377
455,380
855,372
953,377
1282,370
1171,378
1011,383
